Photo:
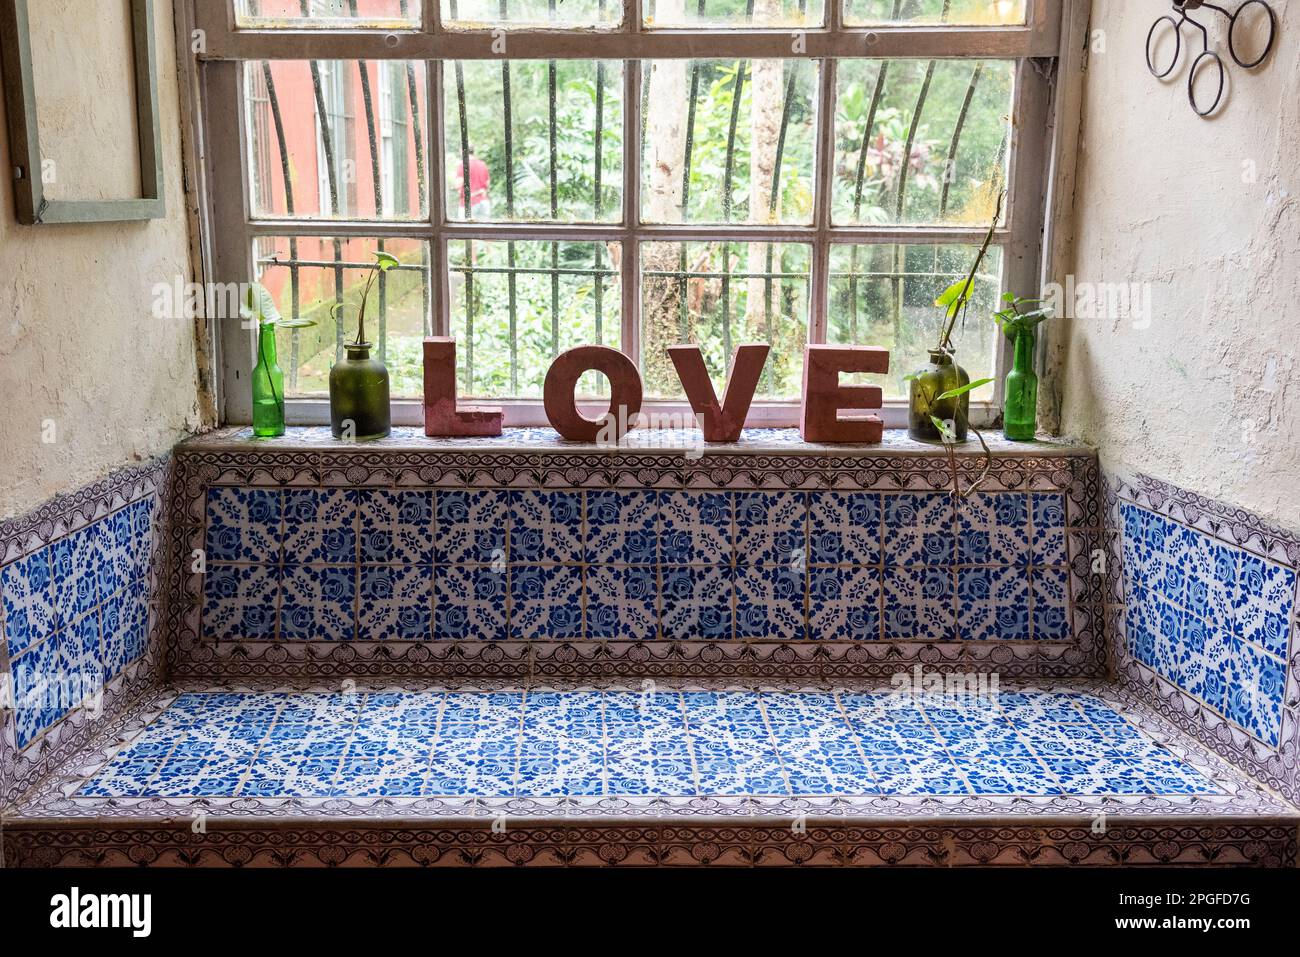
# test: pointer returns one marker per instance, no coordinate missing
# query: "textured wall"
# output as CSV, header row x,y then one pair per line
x,y
82,359
1207,213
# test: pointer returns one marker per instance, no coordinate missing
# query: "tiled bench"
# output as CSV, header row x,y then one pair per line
x,y
477,652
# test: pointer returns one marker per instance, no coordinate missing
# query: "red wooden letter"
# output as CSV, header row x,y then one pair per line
x,y
624,393
823,396
441,417
722,422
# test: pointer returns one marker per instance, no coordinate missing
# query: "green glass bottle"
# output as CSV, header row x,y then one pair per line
x,y
359,395
940,375
1020,415
268,386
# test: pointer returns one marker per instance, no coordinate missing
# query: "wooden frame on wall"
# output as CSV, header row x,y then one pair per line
x,y
32,206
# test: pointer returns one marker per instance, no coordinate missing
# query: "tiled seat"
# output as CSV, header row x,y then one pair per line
x,y
463,760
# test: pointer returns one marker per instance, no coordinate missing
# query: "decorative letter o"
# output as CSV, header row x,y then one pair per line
x,y
562,378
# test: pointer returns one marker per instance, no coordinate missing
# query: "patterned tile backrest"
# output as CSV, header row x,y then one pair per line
x,y
76,613
334,564
1214,619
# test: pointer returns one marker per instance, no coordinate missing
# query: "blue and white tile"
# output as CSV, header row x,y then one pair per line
x,y
769,602
563,715
243,525
80,660
935,774
622,602
1050,596
622,528
240,602
27,592
993,603
395,527
74,571
1254,696
1007,775
651,775
395,602
466,766
844,603
1211,578
546,527
993,529
320,526
35,678
1263,601
469,602
919,529
471,527
545,602
695,528
844,528
771,527
116,565
382,777
318,603
281,776
648,716
696,602
919,604
557,768
1047,535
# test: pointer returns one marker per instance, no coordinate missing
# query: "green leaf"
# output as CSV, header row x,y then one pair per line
x,y
969,387
258,305
945,430
385,262
911,377
295,323
336,311
955,296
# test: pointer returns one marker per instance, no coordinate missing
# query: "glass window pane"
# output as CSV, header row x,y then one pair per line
x,y
721,295
463,14
347,14
531,158
515,305
883,295
956,12
301,274
728,141
765,13
320,130
951,119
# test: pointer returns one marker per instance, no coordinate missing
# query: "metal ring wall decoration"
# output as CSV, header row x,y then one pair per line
x,y
1207,58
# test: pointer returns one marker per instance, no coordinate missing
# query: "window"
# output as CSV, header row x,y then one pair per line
x,y
634,174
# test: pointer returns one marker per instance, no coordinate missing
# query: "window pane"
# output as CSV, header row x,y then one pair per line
x,y
515,305
721,295
728,141
302,276
320,130
959,12
768,13
949,118
348,14
531,157
883,295
464,14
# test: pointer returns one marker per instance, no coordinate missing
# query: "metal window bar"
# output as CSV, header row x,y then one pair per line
x,y
1004,43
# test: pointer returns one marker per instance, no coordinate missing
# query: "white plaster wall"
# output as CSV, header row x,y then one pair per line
x,y
82,359
1208,213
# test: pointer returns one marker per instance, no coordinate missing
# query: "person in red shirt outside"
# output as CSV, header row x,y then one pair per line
x,y
479,181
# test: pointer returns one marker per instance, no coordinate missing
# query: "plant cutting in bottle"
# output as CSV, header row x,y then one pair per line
x,y
955,301
383,263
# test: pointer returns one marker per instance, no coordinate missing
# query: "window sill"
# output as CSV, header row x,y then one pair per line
x,y
764,441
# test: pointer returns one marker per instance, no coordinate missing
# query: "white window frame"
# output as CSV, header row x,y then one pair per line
x,y
229,228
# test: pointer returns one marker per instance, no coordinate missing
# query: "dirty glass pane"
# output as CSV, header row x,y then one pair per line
x,y
732,13
937,149
883,295
720,295
343,14
470,14
922,12
526,161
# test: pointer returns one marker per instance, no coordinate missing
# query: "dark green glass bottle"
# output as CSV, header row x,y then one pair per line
x,y
1020,415
932,380
268,386
359,395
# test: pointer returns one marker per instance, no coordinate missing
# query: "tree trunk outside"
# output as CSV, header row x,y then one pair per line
x,y
665,153
767,96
